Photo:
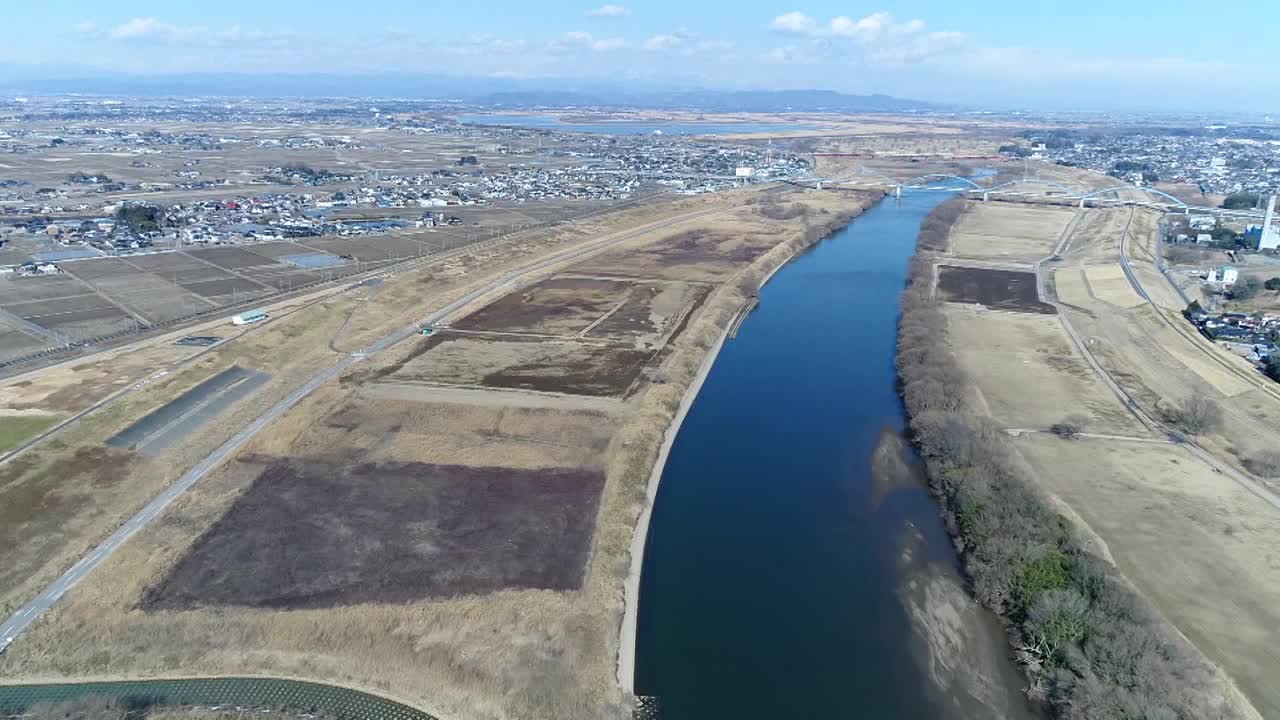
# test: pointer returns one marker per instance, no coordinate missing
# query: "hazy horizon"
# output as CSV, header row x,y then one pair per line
x,y
1137,55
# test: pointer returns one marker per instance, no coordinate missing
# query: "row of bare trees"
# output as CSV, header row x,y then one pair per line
x,y
1091,646
937,225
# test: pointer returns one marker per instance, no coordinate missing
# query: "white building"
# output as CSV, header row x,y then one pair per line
x,y
1202,222
1270,230
1226,275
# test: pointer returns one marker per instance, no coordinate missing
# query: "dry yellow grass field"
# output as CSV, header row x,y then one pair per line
x,y
1110,285
1029,373
518,652
1070,287
1201,547
1196,542
1008,231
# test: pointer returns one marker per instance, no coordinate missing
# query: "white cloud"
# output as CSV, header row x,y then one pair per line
x,y
486,44
867,29
788,55
605,44
919,47
149,30
661,42
608,11
794,22
578,40
876,38
143,28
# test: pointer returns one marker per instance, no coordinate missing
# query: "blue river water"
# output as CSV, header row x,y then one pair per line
x,y
549,122
772,577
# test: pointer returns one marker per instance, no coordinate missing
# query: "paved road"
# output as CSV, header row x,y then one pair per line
x,y
29,613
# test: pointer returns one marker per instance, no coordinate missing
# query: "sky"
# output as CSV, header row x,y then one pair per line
x,y
1135,55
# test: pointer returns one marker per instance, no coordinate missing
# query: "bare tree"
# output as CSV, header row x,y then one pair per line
x,y
1265,463
1071,426
1058,619
1198,415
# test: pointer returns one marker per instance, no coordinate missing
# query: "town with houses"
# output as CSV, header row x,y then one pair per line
x,y
85,209
1218,159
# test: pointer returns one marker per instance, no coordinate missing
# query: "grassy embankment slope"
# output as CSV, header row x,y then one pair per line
x,y
1091,645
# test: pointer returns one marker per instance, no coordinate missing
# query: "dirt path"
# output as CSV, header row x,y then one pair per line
x,y
1153,425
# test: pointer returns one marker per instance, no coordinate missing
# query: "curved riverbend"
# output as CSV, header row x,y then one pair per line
x,y
795,565
248,692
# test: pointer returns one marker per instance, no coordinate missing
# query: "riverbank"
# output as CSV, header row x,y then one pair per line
x,y
524,633
766,267
1089,643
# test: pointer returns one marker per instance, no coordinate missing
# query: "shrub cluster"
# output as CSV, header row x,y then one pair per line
x,y
937,225
1091,646
775,210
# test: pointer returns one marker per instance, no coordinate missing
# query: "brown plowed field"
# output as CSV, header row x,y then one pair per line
x,y
310,535
560,366
999,289
559,306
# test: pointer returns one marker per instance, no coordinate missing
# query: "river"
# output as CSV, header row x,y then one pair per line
x,y
628,127
796,566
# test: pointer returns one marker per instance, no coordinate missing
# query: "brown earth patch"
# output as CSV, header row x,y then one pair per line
x,y
1000,289
40,505
697,254
308,535
555,306
560,366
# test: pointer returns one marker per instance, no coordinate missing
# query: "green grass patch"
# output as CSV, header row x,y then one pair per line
x,y
17,429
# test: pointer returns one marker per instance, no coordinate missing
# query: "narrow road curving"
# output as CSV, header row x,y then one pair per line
x,y
1127,400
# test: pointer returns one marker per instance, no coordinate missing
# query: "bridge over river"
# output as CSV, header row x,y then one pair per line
x,y
1029,188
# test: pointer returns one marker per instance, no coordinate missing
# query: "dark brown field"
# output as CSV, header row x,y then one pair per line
x,y
559,306
701,255
524,363
234,258
223,286
999,289
320,534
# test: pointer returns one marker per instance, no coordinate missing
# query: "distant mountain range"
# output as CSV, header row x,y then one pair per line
x,y
480,92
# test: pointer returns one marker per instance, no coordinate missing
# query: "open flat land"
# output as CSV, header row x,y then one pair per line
x,y
1009,231
1029,373
449,523
292,540
1192,538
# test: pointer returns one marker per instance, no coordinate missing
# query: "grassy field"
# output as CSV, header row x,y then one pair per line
x,y
17,429
1008,231
461,547
1029,374
1197,544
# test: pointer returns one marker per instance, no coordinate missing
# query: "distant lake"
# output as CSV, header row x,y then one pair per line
x,y
622,127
